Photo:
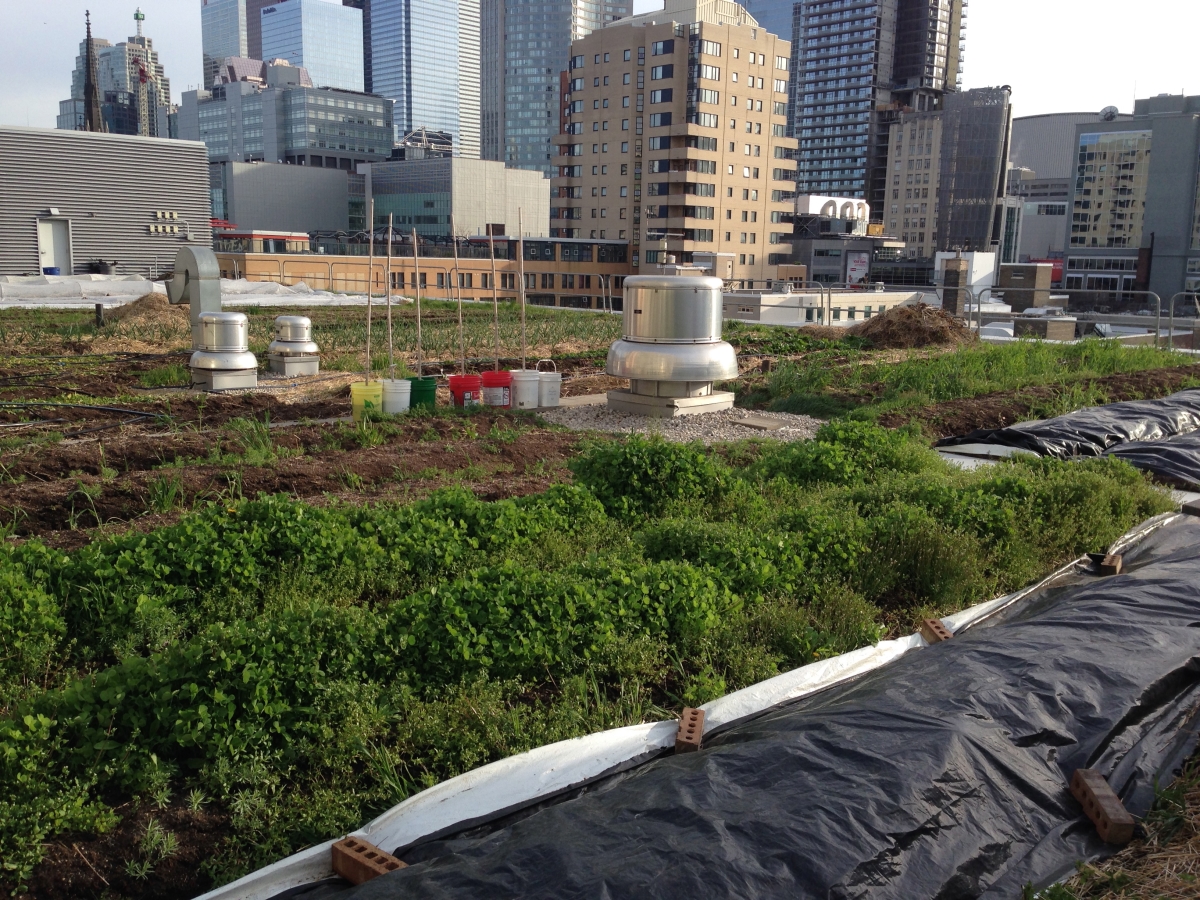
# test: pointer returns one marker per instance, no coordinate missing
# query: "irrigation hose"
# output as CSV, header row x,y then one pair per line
x,y
116,409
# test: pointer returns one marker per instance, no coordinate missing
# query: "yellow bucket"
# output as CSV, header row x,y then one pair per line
x,y
365,397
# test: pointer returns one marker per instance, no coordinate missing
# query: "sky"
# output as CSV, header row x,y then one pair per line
x,y
1058,56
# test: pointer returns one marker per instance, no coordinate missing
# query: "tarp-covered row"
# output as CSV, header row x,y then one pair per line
x,y
941,775
1174,461
1092,431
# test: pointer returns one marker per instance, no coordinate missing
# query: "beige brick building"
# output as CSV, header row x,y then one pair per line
x,y
673,127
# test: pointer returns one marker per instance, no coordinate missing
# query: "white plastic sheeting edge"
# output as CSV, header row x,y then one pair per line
x,y
517,781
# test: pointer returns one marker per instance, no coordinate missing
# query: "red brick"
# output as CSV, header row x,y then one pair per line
x,y
934,631
1111,564
358,861
691,731
1113,822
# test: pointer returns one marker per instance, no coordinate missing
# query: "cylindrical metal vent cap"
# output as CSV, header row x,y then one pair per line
x,y
224,332
293,328
672,309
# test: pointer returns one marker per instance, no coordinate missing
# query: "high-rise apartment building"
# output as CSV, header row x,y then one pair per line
x,y
133,87
525,45
1135,209
673,138
223,34
425,57
858,64
324,37
947,173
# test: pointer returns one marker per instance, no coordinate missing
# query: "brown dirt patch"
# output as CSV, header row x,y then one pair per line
x,y
907,327
958,417
78,866
61,493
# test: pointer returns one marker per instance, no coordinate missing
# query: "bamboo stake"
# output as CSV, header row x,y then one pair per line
x,y
495,298
417,269
521,269
370,277
391,352
462,347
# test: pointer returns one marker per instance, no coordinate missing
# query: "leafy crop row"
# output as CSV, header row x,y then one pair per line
x,y
308,667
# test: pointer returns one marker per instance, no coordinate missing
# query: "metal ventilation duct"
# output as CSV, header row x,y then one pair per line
x,y
672,350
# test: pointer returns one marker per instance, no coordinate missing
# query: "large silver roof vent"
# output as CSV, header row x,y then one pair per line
x,y
672,350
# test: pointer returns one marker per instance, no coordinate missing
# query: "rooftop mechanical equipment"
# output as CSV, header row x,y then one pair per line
x,y
671,350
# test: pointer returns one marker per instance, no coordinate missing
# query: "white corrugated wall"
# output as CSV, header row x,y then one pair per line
x,y
110,187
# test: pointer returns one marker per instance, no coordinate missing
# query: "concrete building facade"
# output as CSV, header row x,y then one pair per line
x,y
1135,211
672,137
325,38
479,194
271,197
285,121
1043,177
76,198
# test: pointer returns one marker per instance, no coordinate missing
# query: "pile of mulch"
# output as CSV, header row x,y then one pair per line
x,y
150,309
910,327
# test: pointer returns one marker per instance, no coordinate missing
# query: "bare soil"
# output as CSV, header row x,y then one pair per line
x,y
78,866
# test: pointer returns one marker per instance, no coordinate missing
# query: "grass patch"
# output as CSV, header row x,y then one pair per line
x,y
852,383
173,375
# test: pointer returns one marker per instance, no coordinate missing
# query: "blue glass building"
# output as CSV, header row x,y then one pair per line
x,y
526,45
425,57
773,15
223,33
325,38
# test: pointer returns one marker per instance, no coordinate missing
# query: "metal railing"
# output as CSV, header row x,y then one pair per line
x,y
1087,316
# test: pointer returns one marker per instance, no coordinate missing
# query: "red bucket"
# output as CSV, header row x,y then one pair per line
x,y
497,389
465,390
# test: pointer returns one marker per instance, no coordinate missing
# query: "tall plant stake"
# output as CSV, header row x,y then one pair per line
x,y
462,347
391,352
417,271
521,270
495,298
370,277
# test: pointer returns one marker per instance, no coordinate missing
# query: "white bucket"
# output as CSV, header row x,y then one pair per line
x,y
549,388
396,394
524,389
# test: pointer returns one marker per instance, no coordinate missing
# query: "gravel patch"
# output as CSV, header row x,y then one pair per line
x,y
714,427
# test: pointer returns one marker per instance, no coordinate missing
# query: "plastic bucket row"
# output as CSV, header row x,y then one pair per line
x,y
392,395
515,389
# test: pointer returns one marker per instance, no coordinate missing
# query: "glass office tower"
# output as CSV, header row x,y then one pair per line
x,y
773,15
425,57
223,32
323,37
526,58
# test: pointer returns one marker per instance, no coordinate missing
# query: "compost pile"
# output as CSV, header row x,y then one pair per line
x,y
911,327
149,309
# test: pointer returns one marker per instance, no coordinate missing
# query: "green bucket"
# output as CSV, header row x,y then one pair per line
x,y
424,391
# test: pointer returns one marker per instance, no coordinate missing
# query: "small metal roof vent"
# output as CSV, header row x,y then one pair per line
x,y
671,350
293,351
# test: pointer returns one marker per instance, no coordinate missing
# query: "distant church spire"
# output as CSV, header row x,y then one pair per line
x,y
92,118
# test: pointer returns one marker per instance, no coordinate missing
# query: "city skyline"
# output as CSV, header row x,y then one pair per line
x,y
1039,49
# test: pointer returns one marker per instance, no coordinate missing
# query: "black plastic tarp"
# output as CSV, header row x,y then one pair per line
x,y
942,775
1091,431
1175,461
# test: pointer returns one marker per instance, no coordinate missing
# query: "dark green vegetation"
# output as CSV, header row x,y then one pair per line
x,y
303,668
1050,379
